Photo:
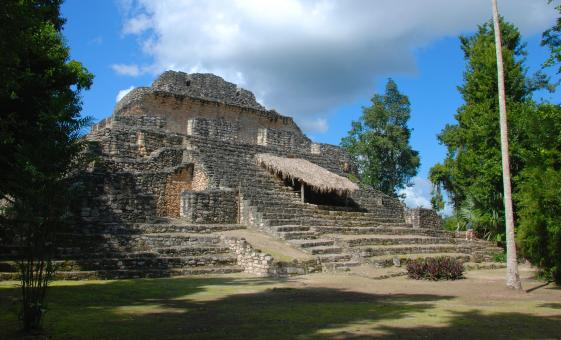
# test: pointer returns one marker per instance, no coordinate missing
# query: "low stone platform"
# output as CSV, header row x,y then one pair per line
x,y
171,247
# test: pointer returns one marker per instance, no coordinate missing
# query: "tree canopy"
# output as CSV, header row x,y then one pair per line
x,y
471,171
552,39
379,142
40,127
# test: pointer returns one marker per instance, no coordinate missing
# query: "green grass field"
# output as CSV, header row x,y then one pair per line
x,y
315,306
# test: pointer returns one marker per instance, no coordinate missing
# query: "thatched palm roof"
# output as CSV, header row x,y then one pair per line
x,y
320,179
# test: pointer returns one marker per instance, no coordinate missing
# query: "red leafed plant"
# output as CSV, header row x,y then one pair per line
x,y
435,268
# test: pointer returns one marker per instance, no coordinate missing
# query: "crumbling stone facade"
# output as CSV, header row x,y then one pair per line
x,y
423,218
210,206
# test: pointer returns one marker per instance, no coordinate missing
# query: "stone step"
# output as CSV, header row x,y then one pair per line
x,y
277,200
141,262
340,266
176,239
402,259
283,209
358,213
353,222
324,250
287,228
338,208
133,273
264,204
312,243
298,235
278,216
329,258
395,225
275,223
154,228
271,191
358,216
342,222
107,240
192,251
372,240
369,251
380,230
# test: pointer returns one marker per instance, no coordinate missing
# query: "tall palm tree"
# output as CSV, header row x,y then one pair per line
x,y
512,276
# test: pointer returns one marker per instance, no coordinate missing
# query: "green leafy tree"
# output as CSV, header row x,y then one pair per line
x,y
379,142
552,39
471,170
538,196
40,128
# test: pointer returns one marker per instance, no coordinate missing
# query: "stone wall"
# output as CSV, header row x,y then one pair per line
x,y
210,206
113,197
423,218
258,263
177,110
203,105
205,86
377,202
138,121
170,203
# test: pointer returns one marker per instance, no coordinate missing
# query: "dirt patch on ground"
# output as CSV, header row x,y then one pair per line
x,y
478,285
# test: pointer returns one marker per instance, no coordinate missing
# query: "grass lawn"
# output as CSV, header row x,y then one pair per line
x,y
313,306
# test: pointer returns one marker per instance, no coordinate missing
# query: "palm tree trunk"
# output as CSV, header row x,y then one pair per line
x,y
512,276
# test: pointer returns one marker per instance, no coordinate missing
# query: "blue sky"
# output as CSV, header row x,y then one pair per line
x,y
317,60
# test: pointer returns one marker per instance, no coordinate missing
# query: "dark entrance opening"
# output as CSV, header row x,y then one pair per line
x,y
312,196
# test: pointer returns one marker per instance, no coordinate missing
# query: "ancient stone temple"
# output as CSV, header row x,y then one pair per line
x,y
186,163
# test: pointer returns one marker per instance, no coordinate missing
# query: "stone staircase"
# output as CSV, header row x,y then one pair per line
x,y
163,249
343,237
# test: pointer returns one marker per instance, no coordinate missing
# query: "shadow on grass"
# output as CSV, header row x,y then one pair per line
x,y
249,308
551,305
477,325
548,285
237,308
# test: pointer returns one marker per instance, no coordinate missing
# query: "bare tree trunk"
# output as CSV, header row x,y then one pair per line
x,y
512,276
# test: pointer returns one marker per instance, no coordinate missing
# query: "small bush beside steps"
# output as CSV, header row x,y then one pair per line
x,y
435,268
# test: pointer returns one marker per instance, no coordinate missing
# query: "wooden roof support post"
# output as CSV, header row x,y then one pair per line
x,y
302,191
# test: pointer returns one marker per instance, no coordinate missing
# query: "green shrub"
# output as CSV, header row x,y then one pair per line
x,y
539,232
500,257
435,268
450,223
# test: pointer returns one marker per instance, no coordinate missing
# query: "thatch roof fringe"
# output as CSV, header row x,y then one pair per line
x,y
320,179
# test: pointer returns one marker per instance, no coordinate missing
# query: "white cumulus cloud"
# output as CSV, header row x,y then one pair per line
x,y
306,57
419,194
317,125
137,24
127,70
123,93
